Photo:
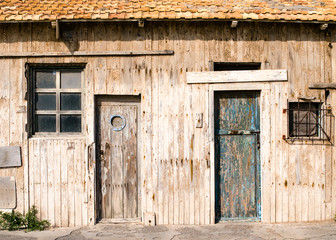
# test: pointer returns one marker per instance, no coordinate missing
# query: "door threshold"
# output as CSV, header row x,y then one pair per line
x,y
120,220
222,220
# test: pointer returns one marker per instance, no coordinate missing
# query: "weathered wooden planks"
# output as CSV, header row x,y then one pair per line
x,y
56,186
176,175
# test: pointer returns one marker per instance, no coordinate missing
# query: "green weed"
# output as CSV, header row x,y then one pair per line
x,y
14,221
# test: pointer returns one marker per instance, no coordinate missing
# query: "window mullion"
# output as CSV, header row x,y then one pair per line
x,y
58,86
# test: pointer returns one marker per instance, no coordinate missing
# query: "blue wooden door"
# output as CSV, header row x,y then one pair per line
x,y
237,168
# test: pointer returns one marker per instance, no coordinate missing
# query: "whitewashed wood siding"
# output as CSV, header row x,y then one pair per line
x,y
298,181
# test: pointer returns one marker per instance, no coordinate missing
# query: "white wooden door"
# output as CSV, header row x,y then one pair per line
x,y
117,147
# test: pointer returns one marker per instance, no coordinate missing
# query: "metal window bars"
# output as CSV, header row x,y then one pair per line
x,y
309,122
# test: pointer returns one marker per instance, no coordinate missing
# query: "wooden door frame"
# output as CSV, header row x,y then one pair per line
x,y
120,100
265,133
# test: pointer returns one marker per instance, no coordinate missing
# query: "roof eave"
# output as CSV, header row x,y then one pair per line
x,y
172,20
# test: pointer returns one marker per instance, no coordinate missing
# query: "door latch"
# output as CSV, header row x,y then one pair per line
x,y
258,141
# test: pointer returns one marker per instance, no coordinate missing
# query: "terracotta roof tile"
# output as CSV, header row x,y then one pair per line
x,y
48,10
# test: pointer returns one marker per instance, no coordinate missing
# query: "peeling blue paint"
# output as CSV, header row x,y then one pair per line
x,y
237,123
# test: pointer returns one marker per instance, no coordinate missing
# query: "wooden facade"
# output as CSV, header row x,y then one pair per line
x,y
176,159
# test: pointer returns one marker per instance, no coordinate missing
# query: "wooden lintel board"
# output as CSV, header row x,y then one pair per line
x,y
10,156
85,53
7,193
322,86
237,76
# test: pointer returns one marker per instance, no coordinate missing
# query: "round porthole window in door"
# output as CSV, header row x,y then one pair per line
x,y
118,122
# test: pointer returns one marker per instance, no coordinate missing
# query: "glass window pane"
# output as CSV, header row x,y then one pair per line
x,y
70,101
71,123
45,101
70,80
45,123
45,79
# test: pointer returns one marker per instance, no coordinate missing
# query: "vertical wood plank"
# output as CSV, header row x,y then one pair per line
x,y
207,129
99,31
31,171
174,115
126,63
303,50
279,157
78,180
179,58
70,190
130,163
37,175
328,154
50,182
64,182
273,159
283,105
266,155
324,78
291,66
57,182
164,91
5,102
193,95
188,135
44,154
312,158
113,32
332,100
152,73
147,106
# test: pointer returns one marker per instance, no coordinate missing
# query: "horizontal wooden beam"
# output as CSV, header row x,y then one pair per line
x,y
237,76
322,86
85,54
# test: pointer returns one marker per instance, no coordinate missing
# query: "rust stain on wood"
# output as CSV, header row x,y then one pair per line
x,y
191,170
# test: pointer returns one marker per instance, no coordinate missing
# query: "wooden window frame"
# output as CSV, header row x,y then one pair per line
x,y
32,90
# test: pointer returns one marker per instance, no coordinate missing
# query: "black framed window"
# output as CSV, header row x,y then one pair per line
x,y
236,66
304,119
56,100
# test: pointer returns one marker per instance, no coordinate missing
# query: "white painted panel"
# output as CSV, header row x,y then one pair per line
x,y
7,193
237,76
10,156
